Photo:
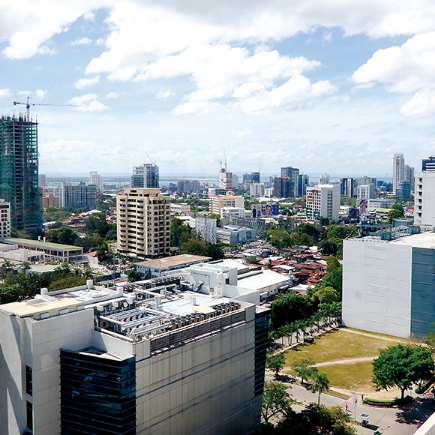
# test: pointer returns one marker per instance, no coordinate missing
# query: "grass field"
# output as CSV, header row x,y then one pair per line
x,y
339,345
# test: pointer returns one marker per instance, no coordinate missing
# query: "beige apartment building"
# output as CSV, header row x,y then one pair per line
x,y
221,201
143,217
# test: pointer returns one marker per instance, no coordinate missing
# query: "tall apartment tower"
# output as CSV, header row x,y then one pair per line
x,y
5,219
145,176
398,170
323,200
19,172
143,217
81,196
96,179
424,194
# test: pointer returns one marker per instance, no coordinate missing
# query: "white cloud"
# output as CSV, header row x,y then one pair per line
x,y
85,83
112,95
164,95
88,103
40,93
4,93
81,41
405,69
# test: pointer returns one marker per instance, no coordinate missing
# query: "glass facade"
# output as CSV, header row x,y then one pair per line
x,y
98,394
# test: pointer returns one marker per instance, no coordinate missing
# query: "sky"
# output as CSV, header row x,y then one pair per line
x,y
333,86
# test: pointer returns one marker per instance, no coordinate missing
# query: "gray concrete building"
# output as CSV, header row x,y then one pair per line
x,y
388,285
180,355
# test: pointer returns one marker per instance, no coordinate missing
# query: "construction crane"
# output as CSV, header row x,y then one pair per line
x,y
151,160
28,104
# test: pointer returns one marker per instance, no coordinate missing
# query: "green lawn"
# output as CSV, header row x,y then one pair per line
x,y
339,345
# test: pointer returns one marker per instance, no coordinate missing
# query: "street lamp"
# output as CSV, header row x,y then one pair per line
x,y
355,399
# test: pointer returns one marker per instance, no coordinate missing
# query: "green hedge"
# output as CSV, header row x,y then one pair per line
x,y
386,402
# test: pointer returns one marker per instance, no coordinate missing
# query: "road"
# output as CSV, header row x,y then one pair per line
x,y
390,421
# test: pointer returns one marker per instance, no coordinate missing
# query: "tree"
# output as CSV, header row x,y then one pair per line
x,y
318,420
402,366
305,369
62,235
396,212
326,295
275,400
327,247
251,259
275,362
133,275
320,384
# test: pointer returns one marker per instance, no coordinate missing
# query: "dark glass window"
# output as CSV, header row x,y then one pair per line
x,y
29,380
29,415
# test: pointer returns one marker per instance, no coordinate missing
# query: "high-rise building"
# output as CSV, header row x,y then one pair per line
x,y
57,192
428,164
220,201
323,200
225,179
293,174
42,180
398,170
256,189
183,357
365,191
206,229
303,182
19,172
255,177
145,176
324,179
81,196
96,179
283,187
424,199
348,187
143,217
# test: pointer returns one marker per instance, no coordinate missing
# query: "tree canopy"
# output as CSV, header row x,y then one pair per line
x,y
402,366
275,362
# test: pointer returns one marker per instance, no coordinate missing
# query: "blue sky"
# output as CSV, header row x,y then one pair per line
x,y
336,87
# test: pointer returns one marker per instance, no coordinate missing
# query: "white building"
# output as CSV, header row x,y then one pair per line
x,y
388,285
143,218
182,357
398,170
96,179
5,219
323,200
256,189
57,192
145,176
424,199
221,201
365,191
180,208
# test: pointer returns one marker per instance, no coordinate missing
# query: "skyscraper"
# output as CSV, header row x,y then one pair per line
x,y
19,172
96,179
293,174
81,196
398,170
145,176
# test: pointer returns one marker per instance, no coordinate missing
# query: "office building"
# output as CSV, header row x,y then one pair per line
x,y
49,200
58,192
80,196
323,201
403,191
5,219
188,186
179,355
324,179
428,164
388,285
410,176
398,170
348,187
303,182
19,172
283,187
365,191
234,234
145,176
255,177
206,229
221,201
96,179
143,217
293,174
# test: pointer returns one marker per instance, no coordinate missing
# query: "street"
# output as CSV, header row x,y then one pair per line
x,y
389,421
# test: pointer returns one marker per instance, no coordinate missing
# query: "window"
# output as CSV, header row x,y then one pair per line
x,y
29,380
29,415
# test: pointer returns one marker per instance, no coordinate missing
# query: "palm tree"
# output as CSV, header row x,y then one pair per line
x,y
320,384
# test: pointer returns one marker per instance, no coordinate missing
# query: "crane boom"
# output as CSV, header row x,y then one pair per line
x,y
28,104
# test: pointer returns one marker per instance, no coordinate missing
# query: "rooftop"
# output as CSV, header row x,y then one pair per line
x,y
170,262
39,244
422,240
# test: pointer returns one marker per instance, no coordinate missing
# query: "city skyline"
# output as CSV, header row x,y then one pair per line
x,y
283,83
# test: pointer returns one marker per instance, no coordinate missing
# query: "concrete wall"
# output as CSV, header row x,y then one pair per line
x,y
377,286
204,387
428,428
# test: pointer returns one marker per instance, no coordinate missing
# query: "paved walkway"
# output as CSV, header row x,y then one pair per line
x,y
346,361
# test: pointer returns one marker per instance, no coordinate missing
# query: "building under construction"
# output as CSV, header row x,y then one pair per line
x,y
19,171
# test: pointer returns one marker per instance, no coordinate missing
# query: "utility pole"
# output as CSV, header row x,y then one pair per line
x,y
355,399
